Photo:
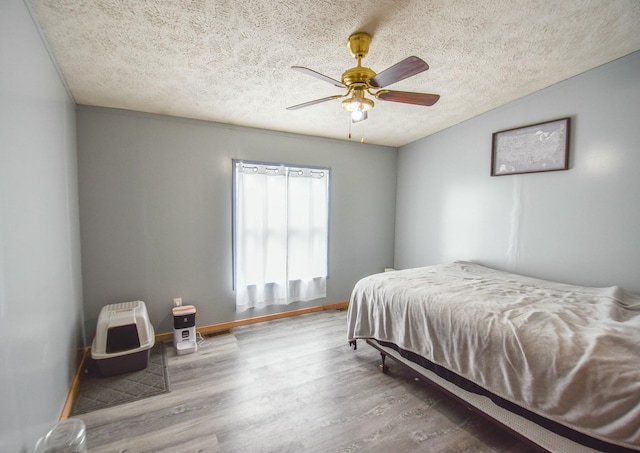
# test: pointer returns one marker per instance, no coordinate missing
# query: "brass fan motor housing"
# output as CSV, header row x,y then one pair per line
x,y
359,74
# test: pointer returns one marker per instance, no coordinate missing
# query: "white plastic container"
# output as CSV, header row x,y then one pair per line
x,y
124,337
184,329
67,436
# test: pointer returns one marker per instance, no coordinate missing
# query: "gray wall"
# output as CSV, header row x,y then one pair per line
x,y
40,284
580,226
155,210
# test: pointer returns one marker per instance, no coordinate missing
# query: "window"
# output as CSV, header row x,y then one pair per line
x,y
281,233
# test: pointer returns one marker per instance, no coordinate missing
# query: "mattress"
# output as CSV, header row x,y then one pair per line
x,y
568,353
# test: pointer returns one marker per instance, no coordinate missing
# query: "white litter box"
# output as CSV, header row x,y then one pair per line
x,y
124,338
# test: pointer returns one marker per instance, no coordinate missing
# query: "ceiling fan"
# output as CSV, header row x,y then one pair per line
x,y
361,80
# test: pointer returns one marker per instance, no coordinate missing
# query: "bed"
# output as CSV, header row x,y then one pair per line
x,y
563,360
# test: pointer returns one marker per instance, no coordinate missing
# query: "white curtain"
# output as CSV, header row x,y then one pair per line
x,y
281,234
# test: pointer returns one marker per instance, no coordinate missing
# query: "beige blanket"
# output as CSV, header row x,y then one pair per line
x,y
568,353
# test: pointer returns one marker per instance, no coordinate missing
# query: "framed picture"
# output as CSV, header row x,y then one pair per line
x,y
531,149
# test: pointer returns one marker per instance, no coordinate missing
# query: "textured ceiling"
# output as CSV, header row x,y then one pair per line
x,y
229,61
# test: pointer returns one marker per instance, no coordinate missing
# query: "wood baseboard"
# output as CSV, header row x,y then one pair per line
x,y
204,330
66,410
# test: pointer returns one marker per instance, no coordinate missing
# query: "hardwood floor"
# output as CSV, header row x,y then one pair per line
x,y
292,385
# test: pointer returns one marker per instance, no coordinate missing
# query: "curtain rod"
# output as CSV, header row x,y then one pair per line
x,y
276,170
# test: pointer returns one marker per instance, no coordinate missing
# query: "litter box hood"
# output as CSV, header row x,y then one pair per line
x,y
123,338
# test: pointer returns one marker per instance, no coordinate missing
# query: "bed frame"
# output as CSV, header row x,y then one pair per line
x,y
530,432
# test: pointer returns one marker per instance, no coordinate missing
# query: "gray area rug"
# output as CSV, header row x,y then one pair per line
x,y
97,392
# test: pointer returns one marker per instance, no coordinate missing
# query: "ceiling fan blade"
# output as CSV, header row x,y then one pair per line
x,y
408,67
317,101
407,97
317,75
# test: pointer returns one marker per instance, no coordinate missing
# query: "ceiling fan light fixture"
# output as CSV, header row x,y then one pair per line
x,y
357,104
357,115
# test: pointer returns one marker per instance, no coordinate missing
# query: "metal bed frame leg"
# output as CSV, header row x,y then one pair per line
x,y
384,368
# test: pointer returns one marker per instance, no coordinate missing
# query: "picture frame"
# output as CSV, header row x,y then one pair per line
x,y
534,148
